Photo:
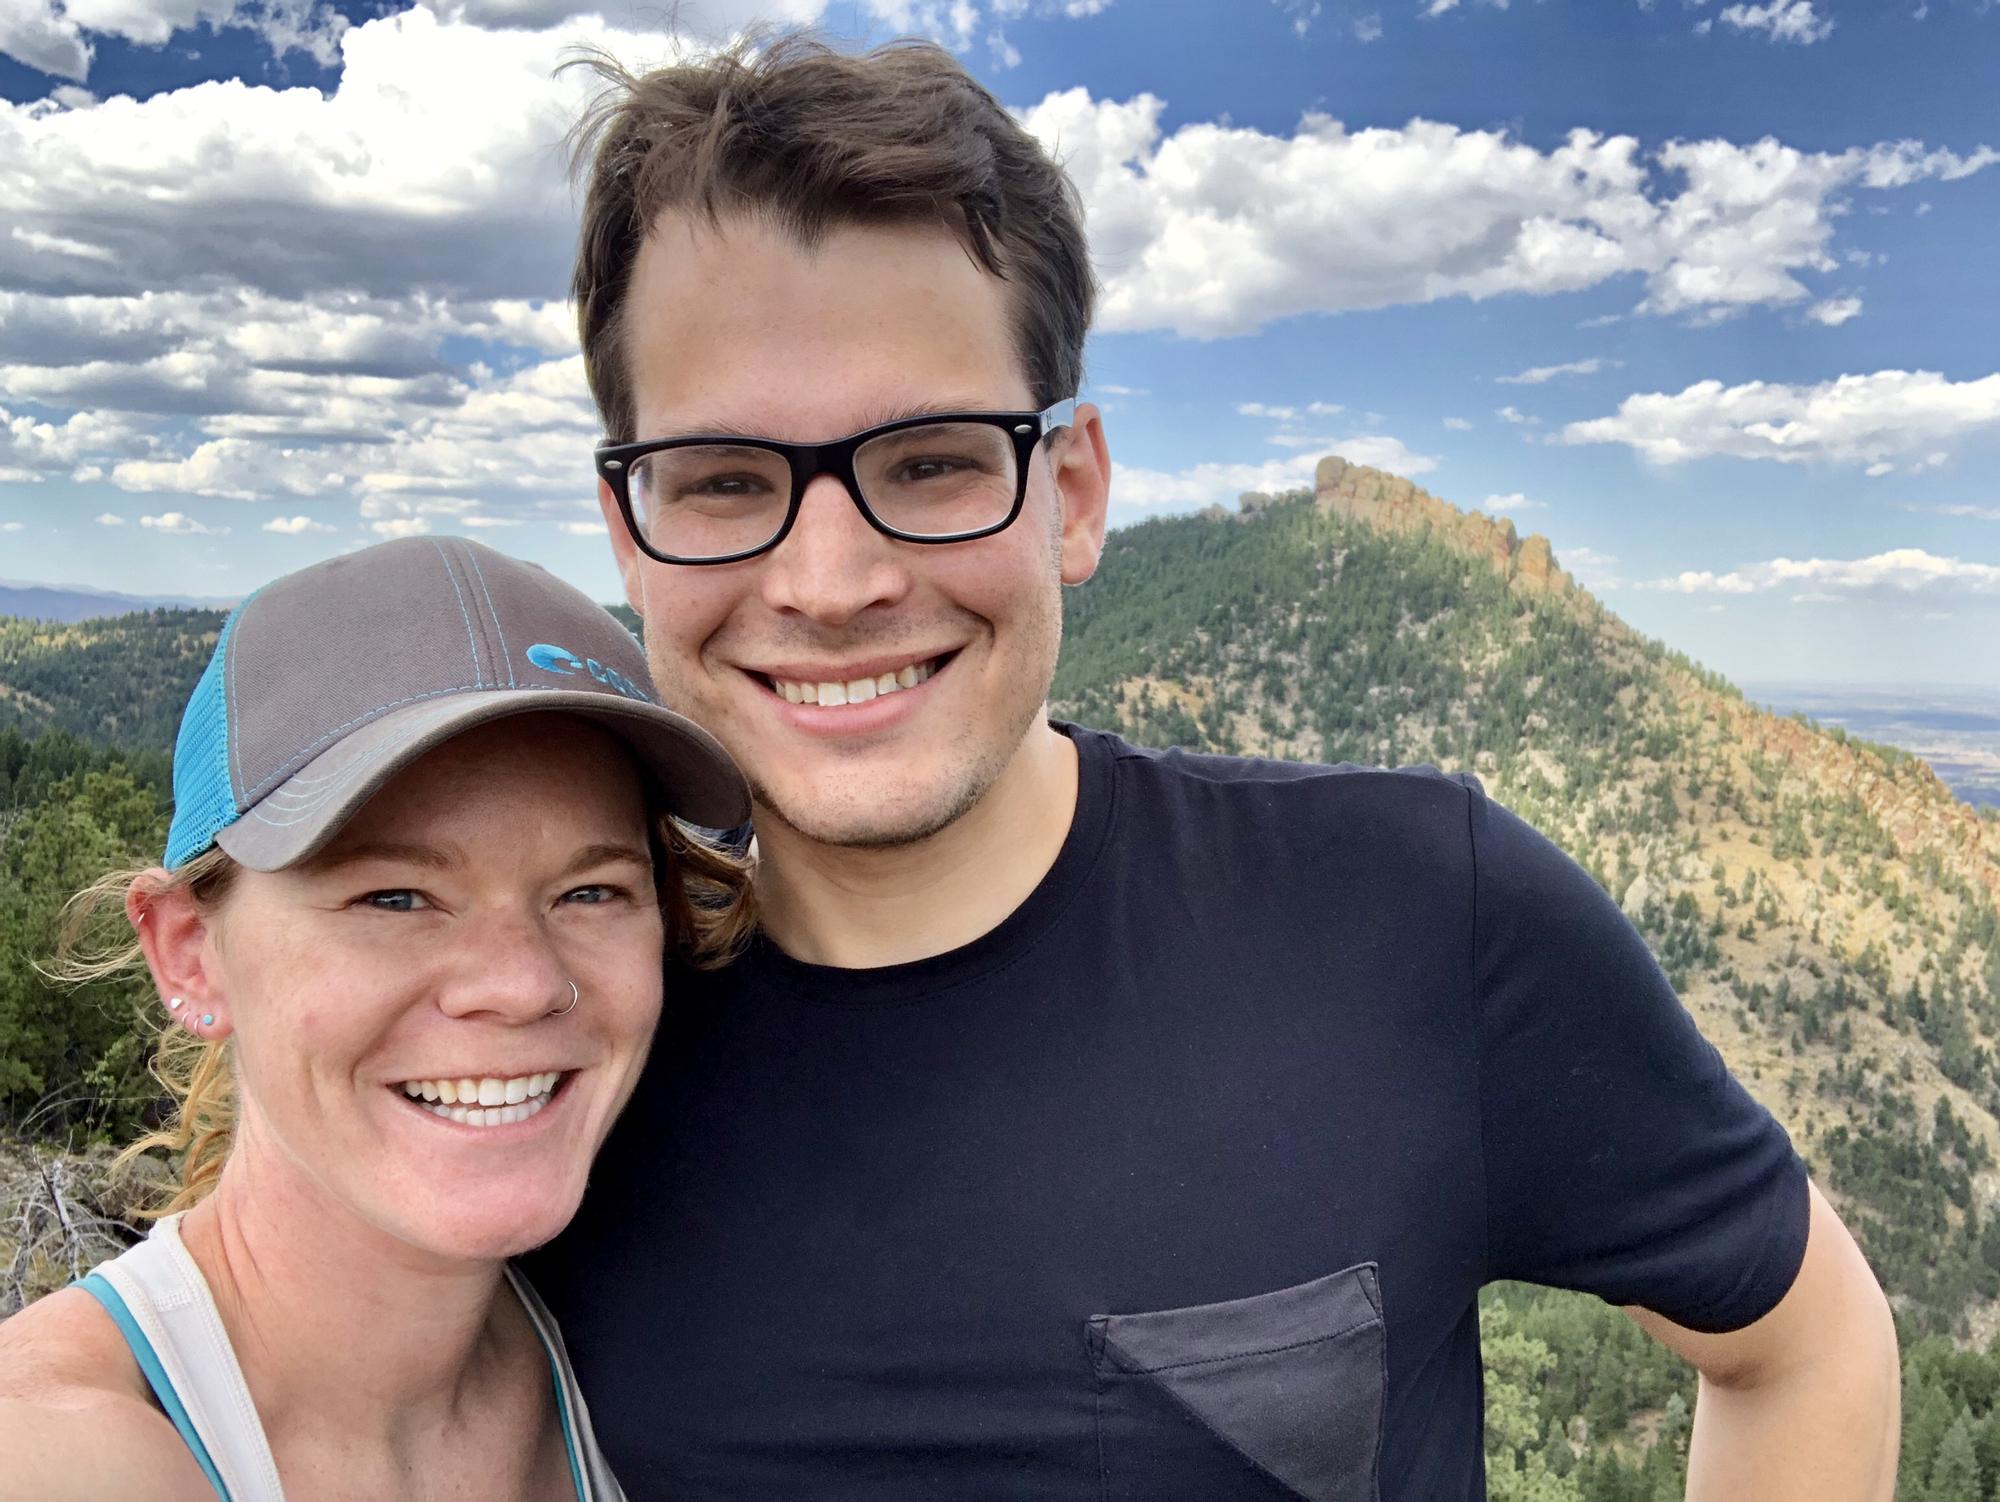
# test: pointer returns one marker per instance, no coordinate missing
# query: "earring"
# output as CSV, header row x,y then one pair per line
x,y
174,1003
208,1019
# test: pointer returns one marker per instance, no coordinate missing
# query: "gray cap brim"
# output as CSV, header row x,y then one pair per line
x,y
696,778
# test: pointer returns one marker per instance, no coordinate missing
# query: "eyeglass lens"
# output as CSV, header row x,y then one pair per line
x,y
713,500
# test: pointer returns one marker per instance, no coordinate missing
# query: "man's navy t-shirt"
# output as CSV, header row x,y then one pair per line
x,y
1180,1183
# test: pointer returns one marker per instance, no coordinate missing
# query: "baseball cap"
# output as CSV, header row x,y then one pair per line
x,y
327,682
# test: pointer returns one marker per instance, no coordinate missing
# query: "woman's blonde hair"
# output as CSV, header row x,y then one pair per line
x,y
705,905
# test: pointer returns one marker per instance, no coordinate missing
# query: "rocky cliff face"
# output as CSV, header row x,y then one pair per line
x,y
1392,503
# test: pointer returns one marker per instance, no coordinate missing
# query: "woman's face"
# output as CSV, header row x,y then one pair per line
x,y
423,955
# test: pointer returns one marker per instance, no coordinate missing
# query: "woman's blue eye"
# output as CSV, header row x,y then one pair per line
x,y
592,896
398,900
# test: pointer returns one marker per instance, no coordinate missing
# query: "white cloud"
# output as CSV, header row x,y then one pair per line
x,y
401,526
1539,374
584,529
1780,20
51,37
1977,513
1835,311
1592,569
1458,425
12,526
1138,489
1857,419
1900,571
181,524
1511,502
1216,229
294,526
1514,415
1259,409
1368,28
110,519
35,32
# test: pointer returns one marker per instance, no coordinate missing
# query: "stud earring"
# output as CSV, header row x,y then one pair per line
x,y
174,1003
208,1019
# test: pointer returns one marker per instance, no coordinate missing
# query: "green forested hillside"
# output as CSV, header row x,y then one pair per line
x,y
120,681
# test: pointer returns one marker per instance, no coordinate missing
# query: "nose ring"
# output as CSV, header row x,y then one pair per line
x,y
574,997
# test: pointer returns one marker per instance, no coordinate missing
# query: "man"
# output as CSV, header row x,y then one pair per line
x,y
1088,1122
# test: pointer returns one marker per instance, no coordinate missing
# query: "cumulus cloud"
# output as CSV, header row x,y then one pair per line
x,y
182,525
1539,374
1780,21
110,519
1900,571
1872,420
1138,489
295,526
1511,502
52,36
1216,229
1458,425
1835,311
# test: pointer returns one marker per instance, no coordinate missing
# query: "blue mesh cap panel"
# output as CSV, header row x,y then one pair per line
x,y
204,796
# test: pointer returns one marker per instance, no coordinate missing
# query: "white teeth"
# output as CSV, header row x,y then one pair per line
x,y
489,1116
484,1100
854,691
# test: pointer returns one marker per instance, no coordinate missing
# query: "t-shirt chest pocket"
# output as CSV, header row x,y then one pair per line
x,y
1274,1397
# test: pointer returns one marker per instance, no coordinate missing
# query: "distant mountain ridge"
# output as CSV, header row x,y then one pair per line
x,y
67,602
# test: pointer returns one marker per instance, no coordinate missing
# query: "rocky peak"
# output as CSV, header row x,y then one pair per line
x,y
1392,503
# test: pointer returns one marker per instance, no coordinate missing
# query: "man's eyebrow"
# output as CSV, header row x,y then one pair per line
x,y
701,427
430,857
605,855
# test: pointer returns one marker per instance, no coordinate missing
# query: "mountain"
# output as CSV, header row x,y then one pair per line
x,y
69,602
1825,906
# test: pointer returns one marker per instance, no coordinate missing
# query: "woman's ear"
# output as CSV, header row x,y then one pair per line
x,y
176,934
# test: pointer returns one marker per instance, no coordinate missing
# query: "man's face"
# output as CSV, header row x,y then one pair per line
x,y
740,329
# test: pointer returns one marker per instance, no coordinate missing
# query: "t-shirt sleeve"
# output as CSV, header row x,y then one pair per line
x,y
1622,1158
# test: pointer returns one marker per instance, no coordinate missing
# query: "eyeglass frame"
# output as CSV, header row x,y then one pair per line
x,y
808,461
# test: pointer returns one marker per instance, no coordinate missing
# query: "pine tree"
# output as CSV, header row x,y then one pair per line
x,y
1955,1472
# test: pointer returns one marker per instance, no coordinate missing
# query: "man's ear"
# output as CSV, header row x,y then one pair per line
x,y
178,937
1083,483
623,548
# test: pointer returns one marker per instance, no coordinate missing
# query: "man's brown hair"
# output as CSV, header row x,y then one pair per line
x,y
814,139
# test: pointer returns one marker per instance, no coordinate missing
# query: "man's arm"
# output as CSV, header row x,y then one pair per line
x,y
1804,1404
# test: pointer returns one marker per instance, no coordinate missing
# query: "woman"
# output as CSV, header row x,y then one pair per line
x,y
408,932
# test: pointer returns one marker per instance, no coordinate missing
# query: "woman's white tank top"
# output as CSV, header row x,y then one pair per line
x,y
162,1306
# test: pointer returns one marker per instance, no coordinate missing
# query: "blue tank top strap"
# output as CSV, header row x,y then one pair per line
x,y
98,1288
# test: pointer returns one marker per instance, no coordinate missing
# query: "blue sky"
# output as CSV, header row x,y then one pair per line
x,y
1704,291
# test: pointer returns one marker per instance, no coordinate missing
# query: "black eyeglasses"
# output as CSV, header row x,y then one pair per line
x,y
950,477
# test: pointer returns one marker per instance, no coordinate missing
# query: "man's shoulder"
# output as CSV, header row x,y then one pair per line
x,y
1264,780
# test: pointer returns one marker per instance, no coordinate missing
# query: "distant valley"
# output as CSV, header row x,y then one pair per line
x,y
1956,730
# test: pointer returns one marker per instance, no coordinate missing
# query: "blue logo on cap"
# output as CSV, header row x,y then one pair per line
x,y
553,659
